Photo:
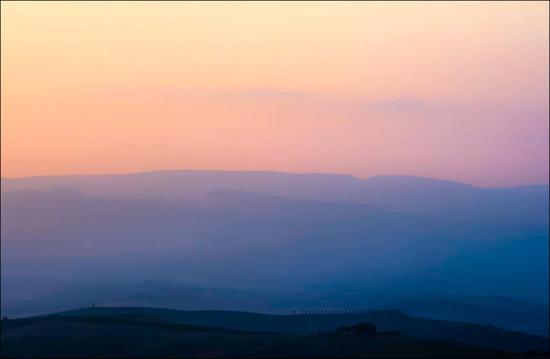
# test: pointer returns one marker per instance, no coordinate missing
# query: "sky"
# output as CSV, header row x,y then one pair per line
x,y
454,90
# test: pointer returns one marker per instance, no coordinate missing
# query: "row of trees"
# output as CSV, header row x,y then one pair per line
x,y
328,311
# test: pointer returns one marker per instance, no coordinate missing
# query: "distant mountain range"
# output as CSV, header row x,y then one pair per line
x,y
326,237
403,193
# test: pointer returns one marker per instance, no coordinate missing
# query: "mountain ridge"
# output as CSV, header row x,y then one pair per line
x,y
235,172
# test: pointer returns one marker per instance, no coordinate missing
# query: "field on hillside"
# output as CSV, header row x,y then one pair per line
x,y
146,332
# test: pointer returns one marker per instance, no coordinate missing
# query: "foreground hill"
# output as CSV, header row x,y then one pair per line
x,y
29,296
147,332
502,312
387,320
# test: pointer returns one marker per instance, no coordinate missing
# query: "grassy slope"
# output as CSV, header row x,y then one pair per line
x,y
226,333
146,336
474,334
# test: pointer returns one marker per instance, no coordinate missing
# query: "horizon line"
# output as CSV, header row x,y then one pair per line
x,y
273,172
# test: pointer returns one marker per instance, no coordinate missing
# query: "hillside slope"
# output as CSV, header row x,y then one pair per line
x,y
145,332
460,332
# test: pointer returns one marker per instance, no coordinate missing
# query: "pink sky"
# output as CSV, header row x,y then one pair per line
x,y
455,90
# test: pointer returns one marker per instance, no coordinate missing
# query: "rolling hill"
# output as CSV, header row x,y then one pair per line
x,y
140,332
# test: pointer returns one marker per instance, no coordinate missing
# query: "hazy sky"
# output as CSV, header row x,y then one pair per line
x,y
453,90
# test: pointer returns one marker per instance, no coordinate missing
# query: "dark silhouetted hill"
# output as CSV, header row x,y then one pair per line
x,y
138,332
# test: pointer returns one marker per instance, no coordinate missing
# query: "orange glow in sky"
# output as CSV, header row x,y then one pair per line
x,y
455,90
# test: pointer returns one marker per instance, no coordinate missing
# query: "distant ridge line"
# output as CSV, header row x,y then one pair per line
x,y
279,173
